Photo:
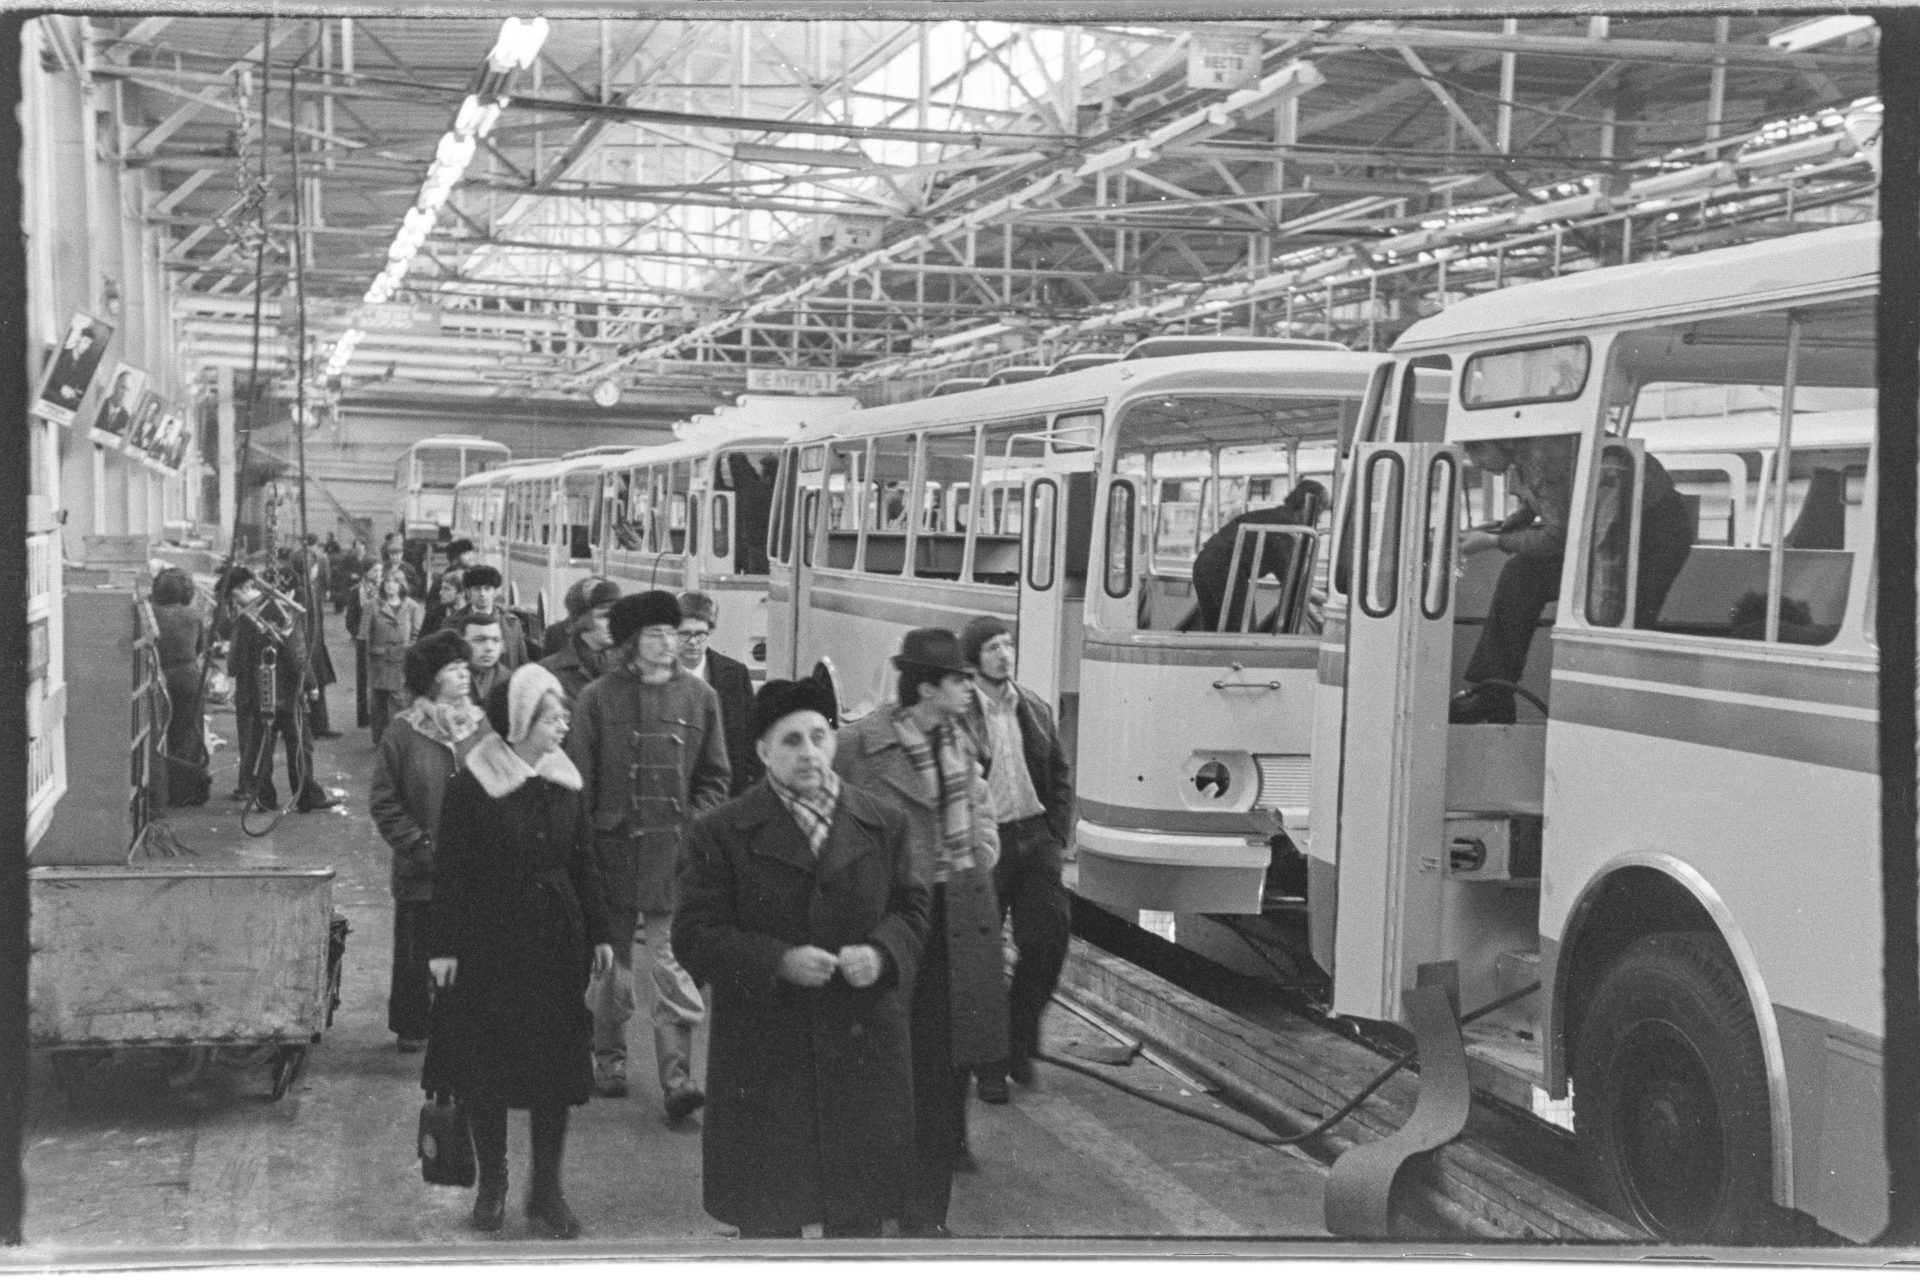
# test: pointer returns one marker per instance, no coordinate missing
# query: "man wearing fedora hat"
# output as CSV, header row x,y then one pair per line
x,y
916,752
800,905
646,738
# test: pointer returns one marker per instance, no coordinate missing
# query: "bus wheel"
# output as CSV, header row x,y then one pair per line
x,y
1670,1094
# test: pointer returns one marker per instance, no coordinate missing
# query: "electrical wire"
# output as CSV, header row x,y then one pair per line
x,y
1275,1139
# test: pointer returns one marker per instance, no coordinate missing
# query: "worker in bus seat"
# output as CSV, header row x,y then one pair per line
x,y
482,584
647,740
917,753
1541,470
699,615
1031,788
581,651
1210,568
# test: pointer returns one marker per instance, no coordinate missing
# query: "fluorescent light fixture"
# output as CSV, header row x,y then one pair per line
x,y
1818,31
518,45
477,116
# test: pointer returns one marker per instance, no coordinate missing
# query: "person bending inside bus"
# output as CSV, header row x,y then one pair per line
x,y
482,584
1215,561
1540,470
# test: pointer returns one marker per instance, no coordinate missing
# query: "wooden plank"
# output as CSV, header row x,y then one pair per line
x,y
1304,1070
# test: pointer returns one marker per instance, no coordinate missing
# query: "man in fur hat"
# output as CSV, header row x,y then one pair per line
x,y
648,741
581,650
482,585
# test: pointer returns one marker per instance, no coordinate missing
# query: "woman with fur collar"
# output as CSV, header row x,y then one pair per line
x,y
421,749
519,921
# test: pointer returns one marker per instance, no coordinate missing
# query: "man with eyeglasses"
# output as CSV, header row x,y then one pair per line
x,y
647,741
699,614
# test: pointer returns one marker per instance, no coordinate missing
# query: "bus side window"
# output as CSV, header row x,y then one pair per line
x,y
1418,417
940,541
693,525
720,507
844,468
809,525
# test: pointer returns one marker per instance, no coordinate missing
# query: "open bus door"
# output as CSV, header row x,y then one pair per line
x,y
1392,855
1058,528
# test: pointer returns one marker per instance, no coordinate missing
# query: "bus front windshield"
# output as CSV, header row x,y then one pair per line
x,y
1224,487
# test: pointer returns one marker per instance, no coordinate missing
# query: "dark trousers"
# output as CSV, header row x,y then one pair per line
x,y
361,703
939,1088
256,755
410,986
1527,583
548,1129
1027,882
317,717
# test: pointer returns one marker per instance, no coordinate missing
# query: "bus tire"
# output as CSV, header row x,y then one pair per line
x,y
1670,1094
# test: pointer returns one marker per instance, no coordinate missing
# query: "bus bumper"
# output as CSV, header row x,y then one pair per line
x,y
1171,871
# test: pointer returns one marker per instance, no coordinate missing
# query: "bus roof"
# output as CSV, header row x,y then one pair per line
x,y
1313,373
459,442
696,447
1837,260
761,414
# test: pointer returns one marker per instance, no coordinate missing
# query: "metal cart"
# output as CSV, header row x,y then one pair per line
x,y
223,964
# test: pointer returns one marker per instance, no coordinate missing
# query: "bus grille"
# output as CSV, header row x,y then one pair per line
x,y
1284,781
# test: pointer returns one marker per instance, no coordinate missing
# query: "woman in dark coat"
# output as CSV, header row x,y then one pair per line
x,y
182,648
518,921
799,903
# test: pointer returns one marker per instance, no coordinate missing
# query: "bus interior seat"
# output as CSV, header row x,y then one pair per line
x,y
1822,522
1720,590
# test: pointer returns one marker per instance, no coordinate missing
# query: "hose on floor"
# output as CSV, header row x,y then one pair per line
x,y
1273,1138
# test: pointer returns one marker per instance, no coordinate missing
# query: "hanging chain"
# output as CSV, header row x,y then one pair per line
x,y
245,220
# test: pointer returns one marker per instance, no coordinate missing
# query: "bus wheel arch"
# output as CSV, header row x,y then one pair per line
x,y
1657,1011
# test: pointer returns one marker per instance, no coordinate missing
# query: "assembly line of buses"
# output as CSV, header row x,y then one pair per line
x,y
1632,836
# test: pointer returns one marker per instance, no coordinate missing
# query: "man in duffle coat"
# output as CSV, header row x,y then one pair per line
x,y
799,904
915,752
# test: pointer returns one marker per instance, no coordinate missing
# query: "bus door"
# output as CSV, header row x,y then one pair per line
x,y
788,547
1392,854
1058,528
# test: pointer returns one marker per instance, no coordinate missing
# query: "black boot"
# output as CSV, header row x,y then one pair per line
x,y
490,1154
546,1207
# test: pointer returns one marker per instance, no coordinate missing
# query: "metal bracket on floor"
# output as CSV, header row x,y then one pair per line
x,y
1360,1186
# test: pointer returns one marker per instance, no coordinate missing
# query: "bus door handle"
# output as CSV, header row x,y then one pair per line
x,y
1236,669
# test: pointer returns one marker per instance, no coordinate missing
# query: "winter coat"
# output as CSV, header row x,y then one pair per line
x,y
734,687
870,756
1047,765
654,759
517,902
411,768
809,1090
390,630
576,665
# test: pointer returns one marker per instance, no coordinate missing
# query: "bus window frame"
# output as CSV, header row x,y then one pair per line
x,y
1125,507
1369,568
1582,342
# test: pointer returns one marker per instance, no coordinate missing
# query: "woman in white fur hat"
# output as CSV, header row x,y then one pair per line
x,y
519,921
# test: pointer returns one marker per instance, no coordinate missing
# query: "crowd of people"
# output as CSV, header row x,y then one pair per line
x,y
567,807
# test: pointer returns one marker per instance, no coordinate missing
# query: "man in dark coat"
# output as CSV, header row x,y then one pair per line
x,y
1032,791
916,753
800,906
312,587
699,615
1220,609
646,738
482,585
582,650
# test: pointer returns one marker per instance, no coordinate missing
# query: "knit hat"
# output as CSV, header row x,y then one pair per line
x,y
778,700
428,655
640,611
975,635
529,685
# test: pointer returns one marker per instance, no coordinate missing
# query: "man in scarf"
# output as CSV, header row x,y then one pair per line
x,y
916,753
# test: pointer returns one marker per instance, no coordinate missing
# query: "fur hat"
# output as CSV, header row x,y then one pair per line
x,y
642,610
479,576
428,655
975,635
588,595
457,548
932,649
778,700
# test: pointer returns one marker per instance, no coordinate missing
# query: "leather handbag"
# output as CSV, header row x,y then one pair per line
x,y
446,1143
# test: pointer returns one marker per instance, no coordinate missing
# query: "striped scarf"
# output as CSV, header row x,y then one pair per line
x,y
812,815
945,767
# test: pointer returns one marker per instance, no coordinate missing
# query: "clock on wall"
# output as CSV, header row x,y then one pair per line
x,y
606,393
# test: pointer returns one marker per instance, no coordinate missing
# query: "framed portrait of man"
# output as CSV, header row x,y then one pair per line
x,y
71,371
172,427
146,422
115,416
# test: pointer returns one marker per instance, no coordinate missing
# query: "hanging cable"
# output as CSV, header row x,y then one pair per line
x,y
299,293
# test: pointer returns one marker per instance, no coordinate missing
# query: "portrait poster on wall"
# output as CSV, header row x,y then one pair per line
x,y
172,427
71,371
115,416
146,424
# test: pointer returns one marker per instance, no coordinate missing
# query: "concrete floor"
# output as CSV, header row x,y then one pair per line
x,y
131,1166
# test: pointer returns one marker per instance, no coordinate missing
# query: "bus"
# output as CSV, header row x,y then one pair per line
x,y
424,478
1676,839
533,522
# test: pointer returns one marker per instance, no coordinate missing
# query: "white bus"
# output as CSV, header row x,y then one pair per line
x,y
424,478
1681,847
533,522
